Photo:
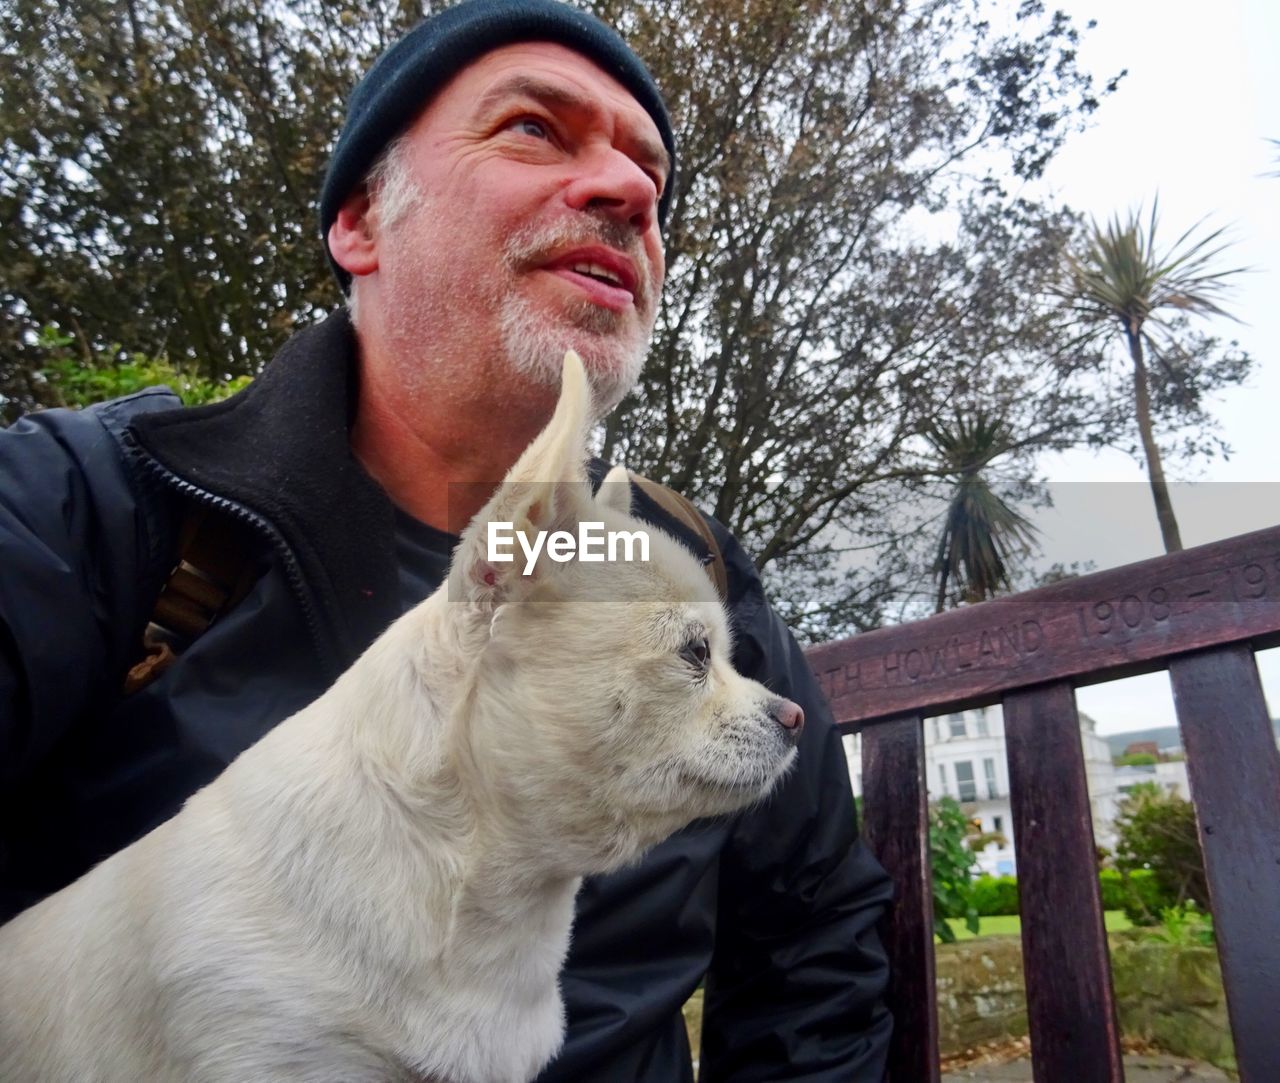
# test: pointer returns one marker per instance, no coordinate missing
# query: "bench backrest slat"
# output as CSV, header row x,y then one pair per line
x,y
896,824
1233,768
1070,1002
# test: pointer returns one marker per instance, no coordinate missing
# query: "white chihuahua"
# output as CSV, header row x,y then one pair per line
x,y
382,888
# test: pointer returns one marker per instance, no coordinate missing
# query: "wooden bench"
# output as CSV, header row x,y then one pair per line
x,y
1200,614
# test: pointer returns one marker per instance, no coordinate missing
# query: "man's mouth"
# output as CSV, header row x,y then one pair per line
x,y
606,276
594,270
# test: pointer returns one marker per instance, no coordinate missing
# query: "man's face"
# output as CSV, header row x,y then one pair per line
x,y
531,223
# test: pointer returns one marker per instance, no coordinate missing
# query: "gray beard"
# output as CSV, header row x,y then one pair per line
x,y
535,345
535,349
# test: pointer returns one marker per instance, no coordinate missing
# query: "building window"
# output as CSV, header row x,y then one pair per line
x,y
956,724
997,824
942,776
966,786
937,729
983,729
989,770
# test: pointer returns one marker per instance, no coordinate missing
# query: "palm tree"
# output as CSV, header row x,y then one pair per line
x,y
982,534
1121,279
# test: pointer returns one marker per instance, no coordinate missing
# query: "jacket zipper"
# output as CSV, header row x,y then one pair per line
x,y
293,573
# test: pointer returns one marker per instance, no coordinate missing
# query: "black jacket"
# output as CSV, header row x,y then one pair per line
x,y
777,907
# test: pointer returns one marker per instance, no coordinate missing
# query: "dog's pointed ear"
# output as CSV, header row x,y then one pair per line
x,y
615,491
546,490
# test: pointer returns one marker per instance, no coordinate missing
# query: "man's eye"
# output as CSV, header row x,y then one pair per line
x,y
696,652
532,126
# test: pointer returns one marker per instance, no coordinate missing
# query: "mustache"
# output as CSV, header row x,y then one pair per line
x,y
535,243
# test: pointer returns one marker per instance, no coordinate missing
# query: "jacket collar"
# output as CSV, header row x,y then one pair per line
x,y
281,450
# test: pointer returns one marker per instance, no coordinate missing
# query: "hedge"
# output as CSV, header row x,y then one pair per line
x,y
1141,899
992,896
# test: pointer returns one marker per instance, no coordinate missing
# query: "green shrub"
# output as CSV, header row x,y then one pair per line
x,y
1139,894
951,862
1156,832
1184,925
995,896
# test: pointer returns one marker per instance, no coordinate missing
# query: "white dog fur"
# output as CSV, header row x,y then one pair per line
x,y
382,888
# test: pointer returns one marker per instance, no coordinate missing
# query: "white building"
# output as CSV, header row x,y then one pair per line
x,y
1169,775
965,759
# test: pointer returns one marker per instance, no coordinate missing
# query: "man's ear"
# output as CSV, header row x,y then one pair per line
x,y
615,491
351,240
546,490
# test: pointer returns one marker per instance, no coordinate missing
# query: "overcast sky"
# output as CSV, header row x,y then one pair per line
x,y
1191,121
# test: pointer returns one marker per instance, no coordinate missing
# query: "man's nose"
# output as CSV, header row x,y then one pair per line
x,y
608,181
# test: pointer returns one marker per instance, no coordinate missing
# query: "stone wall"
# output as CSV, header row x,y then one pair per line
x,y
1173,997
980,993
1167,994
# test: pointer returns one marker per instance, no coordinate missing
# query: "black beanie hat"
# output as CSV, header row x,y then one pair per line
x,y
399,85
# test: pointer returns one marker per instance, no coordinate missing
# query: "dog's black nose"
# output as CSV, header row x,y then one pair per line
x,y
789,716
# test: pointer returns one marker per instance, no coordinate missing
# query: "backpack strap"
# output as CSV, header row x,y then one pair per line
x,y
683,511
213,574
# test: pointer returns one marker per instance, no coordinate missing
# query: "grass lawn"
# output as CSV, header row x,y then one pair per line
x,y
1011,925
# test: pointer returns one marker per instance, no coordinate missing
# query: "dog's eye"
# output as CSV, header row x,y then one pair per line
x,y
696,652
